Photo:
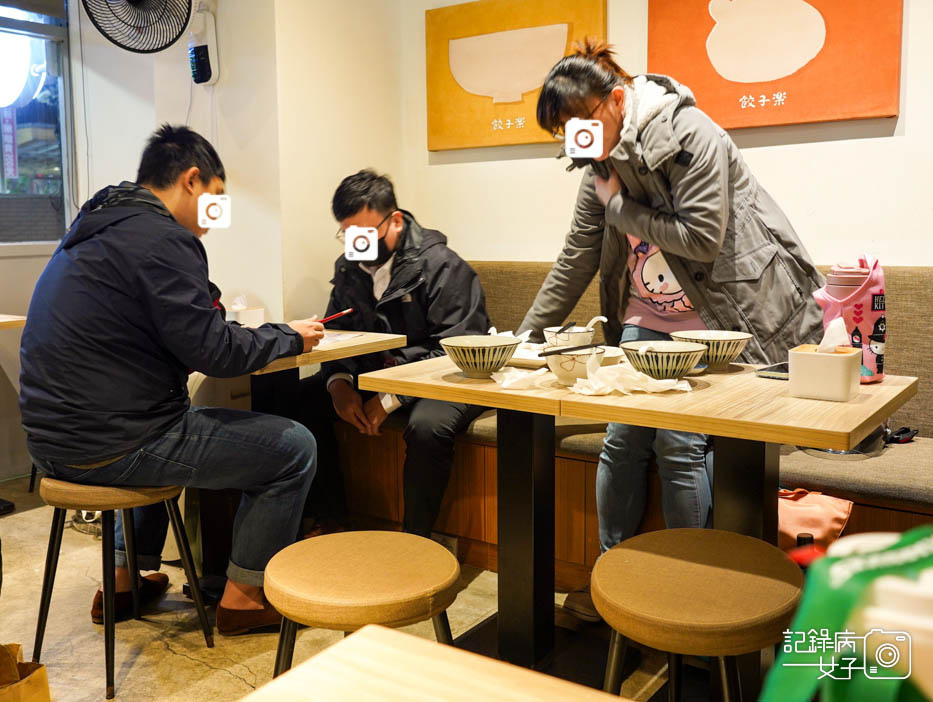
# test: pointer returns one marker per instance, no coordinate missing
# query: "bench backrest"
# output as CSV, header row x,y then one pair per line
x,y
511,287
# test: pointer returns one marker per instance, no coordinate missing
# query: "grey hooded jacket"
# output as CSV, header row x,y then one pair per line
x,y
686,189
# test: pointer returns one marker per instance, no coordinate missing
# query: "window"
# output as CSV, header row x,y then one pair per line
x,y
34,111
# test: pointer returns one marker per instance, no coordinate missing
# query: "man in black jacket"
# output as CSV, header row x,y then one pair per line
x,y
120,316
417,287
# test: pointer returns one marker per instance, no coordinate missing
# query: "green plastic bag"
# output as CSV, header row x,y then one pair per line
x,y
819,652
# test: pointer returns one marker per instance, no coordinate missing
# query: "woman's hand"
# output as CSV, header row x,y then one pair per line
x,y
607,187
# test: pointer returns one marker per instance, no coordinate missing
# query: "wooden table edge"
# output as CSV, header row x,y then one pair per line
x,y
866,427
392,647
12,321
542,405
752,431
391,341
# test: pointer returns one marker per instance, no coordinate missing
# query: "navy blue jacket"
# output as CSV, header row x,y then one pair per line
x,y
121,314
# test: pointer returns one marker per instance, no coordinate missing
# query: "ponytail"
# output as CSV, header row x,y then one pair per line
x,y
591,71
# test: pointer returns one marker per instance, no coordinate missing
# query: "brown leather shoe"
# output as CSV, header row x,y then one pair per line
x,y
580,604
325,526
233,622
151,588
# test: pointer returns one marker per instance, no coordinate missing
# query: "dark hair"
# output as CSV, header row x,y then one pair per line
x,y
361,190
590,71
171,151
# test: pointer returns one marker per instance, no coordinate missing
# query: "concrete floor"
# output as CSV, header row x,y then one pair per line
x,y
163,656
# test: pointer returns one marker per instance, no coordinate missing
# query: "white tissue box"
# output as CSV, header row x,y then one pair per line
x,y
248,316
824,376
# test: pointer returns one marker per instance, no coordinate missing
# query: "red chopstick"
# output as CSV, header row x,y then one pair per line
x,y
335,316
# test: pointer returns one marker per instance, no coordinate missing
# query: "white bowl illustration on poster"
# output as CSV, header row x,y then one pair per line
x,y
503,65
760,40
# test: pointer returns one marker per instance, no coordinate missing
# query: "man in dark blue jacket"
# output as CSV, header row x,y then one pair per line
x,y
120,316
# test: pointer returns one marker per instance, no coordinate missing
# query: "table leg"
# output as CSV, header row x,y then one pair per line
x,y
526,536
745,485
275,393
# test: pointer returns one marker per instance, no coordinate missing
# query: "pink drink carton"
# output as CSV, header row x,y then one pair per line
x,y
857,295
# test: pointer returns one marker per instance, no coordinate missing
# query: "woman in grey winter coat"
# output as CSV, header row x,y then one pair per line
x,y
683,237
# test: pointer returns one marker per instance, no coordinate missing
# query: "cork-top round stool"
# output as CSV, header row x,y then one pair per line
x,y
63,496
699,592
347,580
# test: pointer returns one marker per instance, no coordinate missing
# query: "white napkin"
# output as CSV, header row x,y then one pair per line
x,y
624,378
239,303
835,335
518,379
524,336
528,352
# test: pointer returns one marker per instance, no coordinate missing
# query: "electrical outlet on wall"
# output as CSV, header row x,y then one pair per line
x,y
447,541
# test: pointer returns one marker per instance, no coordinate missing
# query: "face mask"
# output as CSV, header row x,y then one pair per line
x,y
384,253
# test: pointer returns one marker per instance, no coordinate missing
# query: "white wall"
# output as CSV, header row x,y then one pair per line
x,y
339,88
238,115
847,187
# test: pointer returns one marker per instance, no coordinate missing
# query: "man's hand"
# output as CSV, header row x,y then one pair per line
x,y
348,404
375,414
607,187
310,329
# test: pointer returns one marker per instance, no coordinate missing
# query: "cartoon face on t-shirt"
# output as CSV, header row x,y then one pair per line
x,y
653,280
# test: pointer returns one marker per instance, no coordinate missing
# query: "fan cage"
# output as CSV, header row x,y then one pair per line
x,y
143,26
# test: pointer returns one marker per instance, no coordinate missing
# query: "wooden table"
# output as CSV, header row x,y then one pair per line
x,y
10,321
748,416
273,390
376,664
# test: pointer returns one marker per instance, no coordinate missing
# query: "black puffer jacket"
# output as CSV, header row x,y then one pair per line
x,y
432,294
120,315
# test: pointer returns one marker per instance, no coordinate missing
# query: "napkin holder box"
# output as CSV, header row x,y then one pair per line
x,y
248,316
824,376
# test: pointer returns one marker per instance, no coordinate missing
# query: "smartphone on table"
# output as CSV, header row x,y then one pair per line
x,y
778,371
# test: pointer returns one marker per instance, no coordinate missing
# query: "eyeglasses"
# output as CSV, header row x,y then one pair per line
x,y
559,132
342,235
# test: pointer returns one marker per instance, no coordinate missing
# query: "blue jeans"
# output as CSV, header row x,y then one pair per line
x,y
684,466
270,458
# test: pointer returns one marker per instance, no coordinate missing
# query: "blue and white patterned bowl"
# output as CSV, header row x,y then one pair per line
x,y
722,347
663,359
480,356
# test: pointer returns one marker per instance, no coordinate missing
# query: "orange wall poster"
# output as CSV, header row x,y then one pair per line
x,y
487,60
754,63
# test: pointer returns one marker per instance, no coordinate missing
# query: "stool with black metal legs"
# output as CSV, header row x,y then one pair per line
x,y
701,592
347,580
63,496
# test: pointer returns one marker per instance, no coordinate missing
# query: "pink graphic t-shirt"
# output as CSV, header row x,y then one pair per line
x,y
656,300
